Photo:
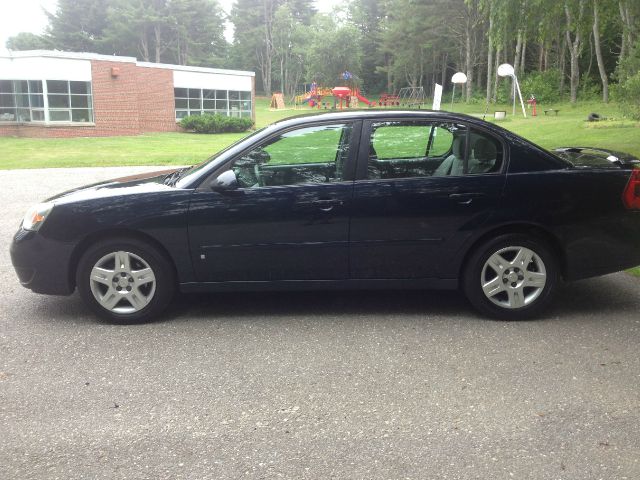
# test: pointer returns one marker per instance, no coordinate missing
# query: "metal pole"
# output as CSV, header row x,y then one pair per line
x,y
514,94
452,95
524,112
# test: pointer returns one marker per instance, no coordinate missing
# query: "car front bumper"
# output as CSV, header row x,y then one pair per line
x,y
42,265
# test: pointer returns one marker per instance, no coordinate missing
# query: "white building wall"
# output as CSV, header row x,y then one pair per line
x,y
211,81
39,68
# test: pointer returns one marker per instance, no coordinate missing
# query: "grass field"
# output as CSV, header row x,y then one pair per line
x,y
568,128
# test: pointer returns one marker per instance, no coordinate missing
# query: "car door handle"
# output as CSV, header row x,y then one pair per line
x,y
465,198
326,205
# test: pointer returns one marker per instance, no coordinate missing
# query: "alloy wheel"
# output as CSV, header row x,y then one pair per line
x,y
513,277
122,282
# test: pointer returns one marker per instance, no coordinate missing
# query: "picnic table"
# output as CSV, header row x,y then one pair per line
x,y
552,110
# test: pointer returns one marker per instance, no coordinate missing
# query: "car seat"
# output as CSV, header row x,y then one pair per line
x,y
483,155
454,163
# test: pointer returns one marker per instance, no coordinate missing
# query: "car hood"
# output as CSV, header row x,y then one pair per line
x,y
130,185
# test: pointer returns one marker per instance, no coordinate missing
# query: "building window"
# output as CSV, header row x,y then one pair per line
x,y
69,101
21,101
197,101
49,101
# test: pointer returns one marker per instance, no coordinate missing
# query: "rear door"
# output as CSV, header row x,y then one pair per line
x,y
422,189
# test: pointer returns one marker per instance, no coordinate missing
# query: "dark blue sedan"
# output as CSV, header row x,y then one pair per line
x,y
375,199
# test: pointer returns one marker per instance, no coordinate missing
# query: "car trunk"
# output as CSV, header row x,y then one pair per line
x,y
588,157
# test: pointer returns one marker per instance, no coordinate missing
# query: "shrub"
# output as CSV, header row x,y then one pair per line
x,y
628,95
590,89
543,85
217,123
627,92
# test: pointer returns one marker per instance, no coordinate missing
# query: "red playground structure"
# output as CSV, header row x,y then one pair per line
x,y
389,100
349,95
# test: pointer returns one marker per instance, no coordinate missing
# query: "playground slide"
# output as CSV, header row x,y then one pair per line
x,y
363,99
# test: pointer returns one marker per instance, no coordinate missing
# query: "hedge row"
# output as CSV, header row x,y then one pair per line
x,y
217,123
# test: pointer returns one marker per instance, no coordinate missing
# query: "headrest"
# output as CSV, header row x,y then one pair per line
x,y
457,148
483,149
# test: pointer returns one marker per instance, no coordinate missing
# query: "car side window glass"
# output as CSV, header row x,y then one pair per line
x,y
407,149
315,154
485,154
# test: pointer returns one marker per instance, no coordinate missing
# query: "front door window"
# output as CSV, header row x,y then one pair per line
x,y
309,155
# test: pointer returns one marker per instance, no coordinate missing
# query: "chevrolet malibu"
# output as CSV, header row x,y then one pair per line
x,y
375,199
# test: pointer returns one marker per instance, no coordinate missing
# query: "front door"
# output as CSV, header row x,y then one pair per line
x,y
289,218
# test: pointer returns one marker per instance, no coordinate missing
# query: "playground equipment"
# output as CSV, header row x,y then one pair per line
x,y
348,96
506,70
458,77
412,96
314,96
389,100
277,102
532,103
357,94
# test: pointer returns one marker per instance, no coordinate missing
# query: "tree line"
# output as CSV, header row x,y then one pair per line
x,y
561,47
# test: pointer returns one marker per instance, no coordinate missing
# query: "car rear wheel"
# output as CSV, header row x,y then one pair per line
x,y
125,280
512,277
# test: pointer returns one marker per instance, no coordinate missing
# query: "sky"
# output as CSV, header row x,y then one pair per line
x,y
28,16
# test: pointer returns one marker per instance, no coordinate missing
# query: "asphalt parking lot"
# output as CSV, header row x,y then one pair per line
x,y
356,385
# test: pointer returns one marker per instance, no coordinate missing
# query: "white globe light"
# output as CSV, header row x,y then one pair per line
x,y
506,70
459,78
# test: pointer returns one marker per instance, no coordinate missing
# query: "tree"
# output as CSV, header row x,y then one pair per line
x,y
253,38
368,17
138,28
27,41
629,12
596,40
78,25
575,18
333,50
291,40
196,31
413,56
628,75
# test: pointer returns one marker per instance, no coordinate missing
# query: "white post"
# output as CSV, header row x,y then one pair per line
x,y
437,97
453,95
524,112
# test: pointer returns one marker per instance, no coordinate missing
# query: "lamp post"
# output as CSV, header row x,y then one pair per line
x,y
457,78
506,70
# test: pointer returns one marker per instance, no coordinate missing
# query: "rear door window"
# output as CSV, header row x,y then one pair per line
x,y
407,149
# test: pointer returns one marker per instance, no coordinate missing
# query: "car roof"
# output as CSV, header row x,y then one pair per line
x,y
426,114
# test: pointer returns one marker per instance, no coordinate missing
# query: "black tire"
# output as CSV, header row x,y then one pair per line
x,y
151,296
515,291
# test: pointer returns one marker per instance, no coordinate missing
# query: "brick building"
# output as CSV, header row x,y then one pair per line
x,y
67,94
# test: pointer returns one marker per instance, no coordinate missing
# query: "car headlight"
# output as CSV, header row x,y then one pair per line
x,y
36,216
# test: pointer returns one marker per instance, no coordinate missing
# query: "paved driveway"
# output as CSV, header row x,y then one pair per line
x,y
314,385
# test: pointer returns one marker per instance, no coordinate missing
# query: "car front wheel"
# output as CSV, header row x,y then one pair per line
x,y
512,277
125,280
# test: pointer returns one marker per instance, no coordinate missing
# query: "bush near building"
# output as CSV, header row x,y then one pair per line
x,y
208,123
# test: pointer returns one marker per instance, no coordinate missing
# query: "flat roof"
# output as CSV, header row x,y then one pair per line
x,y
115,58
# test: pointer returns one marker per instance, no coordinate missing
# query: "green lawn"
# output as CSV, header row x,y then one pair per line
x,y
568,128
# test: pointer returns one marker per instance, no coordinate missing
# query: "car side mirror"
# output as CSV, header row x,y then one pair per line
x,y
224,182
